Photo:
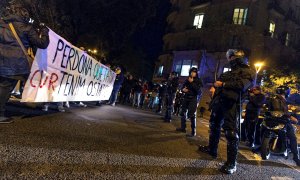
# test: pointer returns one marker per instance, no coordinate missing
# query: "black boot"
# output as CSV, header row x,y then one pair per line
x,y
193,134
232,151
214,138
207,150
296,159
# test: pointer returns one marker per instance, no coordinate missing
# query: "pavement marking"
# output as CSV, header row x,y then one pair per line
x,y
289,165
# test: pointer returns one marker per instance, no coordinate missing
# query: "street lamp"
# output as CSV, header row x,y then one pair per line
x,y
258,67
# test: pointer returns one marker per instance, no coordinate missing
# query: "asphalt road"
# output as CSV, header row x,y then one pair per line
x,y
117,143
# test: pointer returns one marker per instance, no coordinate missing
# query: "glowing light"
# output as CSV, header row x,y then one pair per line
x,y
258,66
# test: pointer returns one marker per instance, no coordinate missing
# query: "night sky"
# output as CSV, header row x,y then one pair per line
x,y
150,38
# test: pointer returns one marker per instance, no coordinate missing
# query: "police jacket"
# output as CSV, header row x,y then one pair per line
x,y
278,103
193,87
172,85
236,82
13,62
138,87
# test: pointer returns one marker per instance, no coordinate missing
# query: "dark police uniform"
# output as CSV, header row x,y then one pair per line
x,y
225,111
189,104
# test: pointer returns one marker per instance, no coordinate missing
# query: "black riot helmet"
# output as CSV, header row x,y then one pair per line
x,y
193,69
235,53
283,90
236,57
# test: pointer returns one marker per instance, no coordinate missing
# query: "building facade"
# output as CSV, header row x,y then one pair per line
x,y
200,32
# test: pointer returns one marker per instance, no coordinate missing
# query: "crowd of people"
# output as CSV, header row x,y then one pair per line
x,y
168,97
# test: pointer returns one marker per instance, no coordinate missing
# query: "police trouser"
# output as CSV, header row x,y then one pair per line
x,y
291,134
169,104
225,114
6,87
189,107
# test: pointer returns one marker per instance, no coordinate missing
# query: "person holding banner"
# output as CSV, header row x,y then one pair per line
x,y
117,86
16,33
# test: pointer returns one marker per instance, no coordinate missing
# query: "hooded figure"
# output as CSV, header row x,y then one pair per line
x,y
13,62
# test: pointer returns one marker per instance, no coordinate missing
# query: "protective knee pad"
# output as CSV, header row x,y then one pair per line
x,y
232,135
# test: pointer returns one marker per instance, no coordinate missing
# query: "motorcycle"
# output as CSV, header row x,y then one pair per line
x,y
274,140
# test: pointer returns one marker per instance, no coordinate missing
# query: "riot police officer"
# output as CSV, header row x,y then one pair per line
x,y
191,89
172,86
230,87
279,103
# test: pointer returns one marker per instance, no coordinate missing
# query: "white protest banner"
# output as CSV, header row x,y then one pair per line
x,y
63,72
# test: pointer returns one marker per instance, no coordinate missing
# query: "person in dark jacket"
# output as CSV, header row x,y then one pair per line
x,y
117,86
14,65
128,86
191,88
161,96
225,106
256,101
172,86
137,90
279,103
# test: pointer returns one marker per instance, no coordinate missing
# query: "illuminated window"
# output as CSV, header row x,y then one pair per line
x,y
198,21
160,71
183,67
287,39
186,66
272,29
240,16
